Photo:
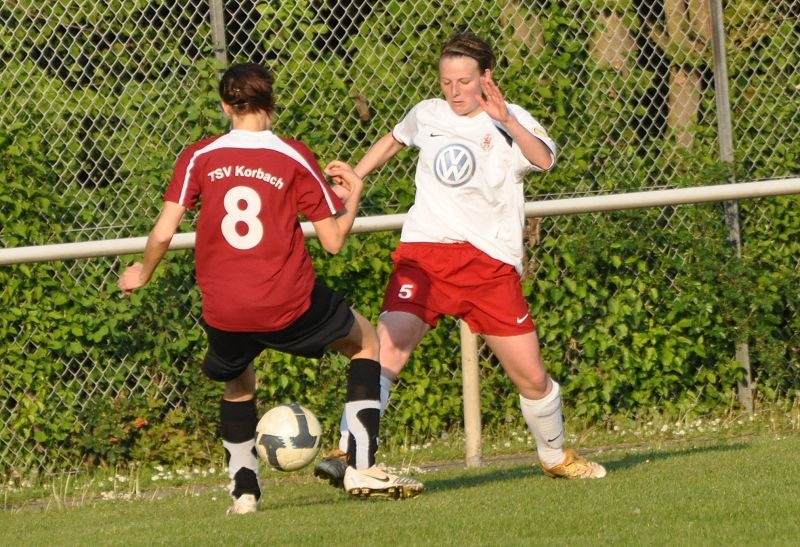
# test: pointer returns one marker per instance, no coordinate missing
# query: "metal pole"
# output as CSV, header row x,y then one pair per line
x,y
471,381
382,223
746,388
216,10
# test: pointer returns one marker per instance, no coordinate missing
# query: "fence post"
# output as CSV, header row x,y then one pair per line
x,y
472,395
746,388
216,10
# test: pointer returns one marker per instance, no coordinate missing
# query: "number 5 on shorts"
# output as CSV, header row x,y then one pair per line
x,y
406,291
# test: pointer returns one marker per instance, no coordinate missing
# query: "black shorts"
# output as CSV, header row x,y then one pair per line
x,y
328,319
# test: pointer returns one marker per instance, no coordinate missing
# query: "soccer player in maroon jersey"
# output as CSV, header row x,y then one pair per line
x,y
257,281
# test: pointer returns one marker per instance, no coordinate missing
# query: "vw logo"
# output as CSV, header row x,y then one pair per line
x,y
454,165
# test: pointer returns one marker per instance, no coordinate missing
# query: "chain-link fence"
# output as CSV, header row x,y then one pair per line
x,y
638,95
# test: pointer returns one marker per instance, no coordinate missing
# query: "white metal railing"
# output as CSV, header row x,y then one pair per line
x,y
558,207
469,346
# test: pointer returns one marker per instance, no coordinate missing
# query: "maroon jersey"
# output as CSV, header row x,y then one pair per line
x,y
253,269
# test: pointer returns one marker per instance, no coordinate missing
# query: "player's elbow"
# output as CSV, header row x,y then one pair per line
x,y
160,236
332,245
331,234
333,249
543,165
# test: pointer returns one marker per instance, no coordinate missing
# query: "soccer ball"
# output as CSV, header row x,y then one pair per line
x,y
288,437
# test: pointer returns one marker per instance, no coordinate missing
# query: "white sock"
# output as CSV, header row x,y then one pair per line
x,y
241,455
546,423
386,388
365,442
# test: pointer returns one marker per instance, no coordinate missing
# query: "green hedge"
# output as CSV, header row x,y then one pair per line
x,y
636,314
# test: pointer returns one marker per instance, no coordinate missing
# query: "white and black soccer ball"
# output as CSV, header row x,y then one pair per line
x,y
288,437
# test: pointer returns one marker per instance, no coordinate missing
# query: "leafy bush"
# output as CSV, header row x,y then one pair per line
x,y
638,311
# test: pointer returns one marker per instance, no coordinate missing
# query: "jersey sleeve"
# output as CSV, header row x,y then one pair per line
x,y
407,128
536,128
184,188
315,198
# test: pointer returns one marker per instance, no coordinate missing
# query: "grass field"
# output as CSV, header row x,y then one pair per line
x,y
742,490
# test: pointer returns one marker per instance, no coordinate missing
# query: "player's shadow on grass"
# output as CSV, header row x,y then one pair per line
x,y
471,478
507,469
645,456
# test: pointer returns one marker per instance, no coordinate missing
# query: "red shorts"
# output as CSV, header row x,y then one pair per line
x,y
434,279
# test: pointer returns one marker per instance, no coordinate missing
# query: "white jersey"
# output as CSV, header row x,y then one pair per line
x,y
469,179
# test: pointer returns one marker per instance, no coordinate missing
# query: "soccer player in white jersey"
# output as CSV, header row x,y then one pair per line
x,y
461,247
257,281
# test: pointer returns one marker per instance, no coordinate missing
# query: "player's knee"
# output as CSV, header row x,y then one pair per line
x,y
534,387
219,370
393,358
371,344
368,345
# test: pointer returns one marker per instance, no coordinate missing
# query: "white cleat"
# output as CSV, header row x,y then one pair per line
x,y
375,482
246,503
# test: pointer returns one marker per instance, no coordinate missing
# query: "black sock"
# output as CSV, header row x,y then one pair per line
x,y
238,429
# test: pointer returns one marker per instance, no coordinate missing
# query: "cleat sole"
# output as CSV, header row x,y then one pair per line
x,y
391,493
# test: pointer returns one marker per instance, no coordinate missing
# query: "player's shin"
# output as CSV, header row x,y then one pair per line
x,y
546,422
238,425
344,431
362,412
